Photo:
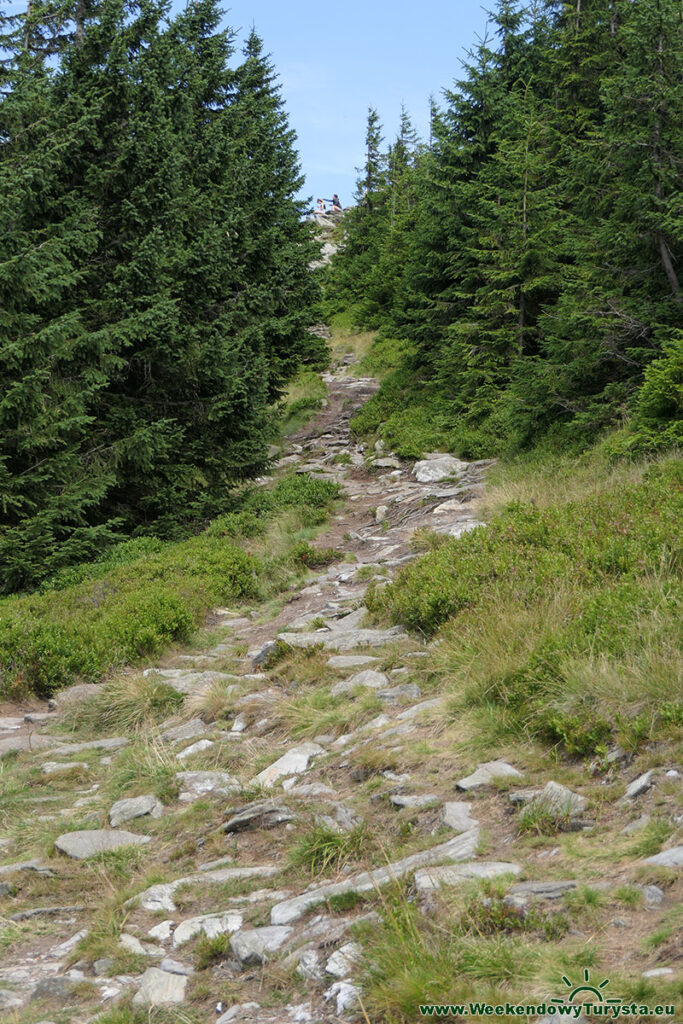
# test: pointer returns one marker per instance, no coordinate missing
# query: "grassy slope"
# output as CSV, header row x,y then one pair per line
x,y
561,619
146,595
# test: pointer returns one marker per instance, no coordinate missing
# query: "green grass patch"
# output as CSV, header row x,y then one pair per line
x,y
144,596
565,615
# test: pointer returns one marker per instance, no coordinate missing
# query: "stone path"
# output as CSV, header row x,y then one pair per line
x,y
257,785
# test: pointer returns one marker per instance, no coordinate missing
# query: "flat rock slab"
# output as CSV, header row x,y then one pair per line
x,y
260,814
196,784
159,897
672,858
90,842
405,691
252,946
135,807
486,773
186,731
543,890
160,988
440,467
63,767
428,879
460,848
337,640
351,660
210,925
294,762
416,800
639,785
456,815
369,678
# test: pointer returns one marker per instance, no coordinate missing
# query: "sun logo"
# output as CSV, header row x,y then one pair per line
x,y
586,988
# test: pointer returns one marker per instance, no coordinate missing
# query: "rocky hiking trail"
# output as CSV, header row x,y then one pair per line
x,y
217,920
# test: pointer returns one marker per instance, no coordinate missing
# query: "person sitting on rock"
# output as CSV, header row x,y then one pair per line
x,y
336,203
321,207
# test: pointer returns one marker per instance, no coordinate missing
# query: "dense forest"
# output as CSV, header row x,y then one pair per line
x,y
155,290
526,263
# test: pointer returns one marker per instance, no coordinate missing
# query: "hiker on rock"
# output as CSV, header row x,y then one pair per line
x,y
336,203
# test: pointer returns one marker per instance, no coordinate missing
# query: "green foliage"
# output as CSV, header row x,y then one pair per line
x,y
567,616
529,258
144,594
323,850
155,292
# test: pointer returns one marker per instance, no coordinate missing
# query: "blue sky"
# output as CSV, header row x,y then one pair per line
x,y
336,60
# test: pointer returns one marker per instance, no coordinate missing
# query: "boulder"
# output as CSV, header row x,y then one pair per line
x,y
89,842
456,815
259,814
368,678
252,946
160,988
413,801
559,802
135,807
210,925
196,784
350,660
440,467
342,963
486,773
672,858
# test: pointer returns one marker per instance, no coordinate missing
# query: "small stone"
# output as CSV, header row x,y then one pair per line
x,y
486,773
345,995
672,858
309,967
90,842
639,785
523,796
420,800
342,963
294,762
135,807
368,678
103,967
160,988
251,946
654,896
241,1013
262,656
210,925
381,513
195,748
673,774
387,463
162,931
658,972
